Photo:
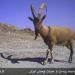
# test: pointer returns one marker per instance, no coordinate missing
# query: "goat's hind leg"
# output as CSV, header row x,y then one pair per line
x,y
46,60
69,46
71,53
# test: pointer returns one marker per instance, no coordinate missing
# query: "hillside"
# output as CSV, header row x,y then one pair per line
x,y
5,28
12,37
11,28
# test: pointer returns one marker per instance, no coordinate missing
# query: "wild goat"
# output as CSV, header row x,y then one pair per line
x,y
52,35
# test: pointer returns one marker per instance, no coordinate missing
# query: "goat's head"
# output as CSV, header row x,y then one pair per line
x,y
37,20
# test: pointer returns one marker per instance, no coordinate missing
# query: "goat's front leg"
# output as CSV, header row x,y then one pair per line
x,y
46,60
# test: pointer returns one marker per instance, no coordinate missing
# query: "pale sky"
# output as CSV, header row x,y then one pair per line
x,y
59,12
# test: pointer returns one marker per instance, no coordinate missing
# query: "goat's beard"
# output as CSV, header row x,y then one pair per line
x,y
37,31
36,34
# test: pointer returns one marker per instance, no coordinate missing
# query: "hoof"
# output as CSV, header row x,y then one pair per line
x,y
69,61
44,63
52,61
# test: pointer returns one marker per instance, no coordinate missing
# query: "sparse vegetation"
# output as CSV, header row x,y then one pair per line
x,y
10,28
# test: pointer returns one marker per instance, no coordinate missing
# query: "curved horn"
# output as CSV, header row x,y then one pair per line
x,y
32,10
40,9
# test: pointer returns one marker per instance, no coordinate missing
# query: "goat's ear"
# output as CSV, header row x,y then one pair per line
x,y
30,19
43,17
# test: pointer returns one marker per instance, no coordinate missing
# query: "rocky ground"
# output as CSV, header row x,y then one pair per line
x,y
18,49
